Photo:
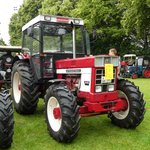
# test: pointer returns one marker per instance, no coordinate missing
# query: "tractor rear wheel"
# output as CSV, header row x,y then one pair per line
x,y
134,114
146,73
6,120
62,113
24,90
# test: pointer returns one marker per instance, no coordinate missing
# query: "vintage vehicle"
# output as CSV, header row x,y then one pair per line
x,y
141,67
129,58
55,63
7,55
127,61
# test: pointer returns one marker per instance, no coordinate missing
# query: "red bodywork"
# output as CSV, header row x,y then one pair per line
x,y
94,103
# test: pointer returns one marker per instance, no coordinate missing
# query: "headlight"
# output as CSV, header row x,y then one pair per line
x,y
8,70
76,21
110,88
8,59
98,89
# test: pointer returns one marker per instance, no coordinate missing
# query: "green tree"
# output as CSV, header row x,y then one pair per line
x,y
2,42
136,22
123,24
50,7
102,19
56,7
15,30
27,11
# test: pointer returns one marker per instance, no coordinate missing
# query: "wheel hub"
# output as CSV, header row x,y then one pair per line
x,y
19,87
57,113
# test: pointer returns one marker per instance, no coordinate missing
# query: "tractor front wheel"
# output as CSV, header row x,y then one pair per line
x,y
134,114
6,120
134,76
62,114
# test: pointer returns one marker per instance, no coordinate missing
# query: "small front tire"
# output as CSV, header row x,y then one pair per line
x,y
62,114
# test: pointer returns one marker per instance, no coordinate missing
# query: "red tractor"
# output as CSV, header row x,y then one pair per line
x,y
7,55
56,64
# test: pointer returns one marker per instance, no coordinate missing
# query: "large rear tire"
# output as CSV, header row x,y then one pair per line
x,y
24,90
6,120
62,113
134,114
146,73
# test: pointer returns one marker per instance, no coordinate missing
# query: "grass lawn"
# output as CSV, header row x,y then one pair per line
x,y
96,133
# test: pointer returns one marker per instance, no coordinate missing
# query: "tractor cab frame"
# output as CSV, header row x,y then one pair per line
x,y
50,38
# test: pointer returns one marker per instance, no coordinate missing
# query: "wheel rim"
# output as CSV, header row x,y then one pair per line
x,y
147,73
122,114
17,87
54,122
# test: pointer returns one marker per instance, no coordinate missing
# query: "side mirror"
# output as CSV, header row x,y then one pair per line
x,y
30,31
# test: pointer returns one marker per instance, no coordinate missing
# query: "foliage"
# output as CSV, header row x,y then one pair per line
x,y
15,30
136,21
102,18
58,7
50,7
27,11
2,42
123,24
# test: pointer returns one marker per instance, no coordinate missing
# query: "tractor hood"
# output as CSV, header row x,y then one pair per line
x,y
88,62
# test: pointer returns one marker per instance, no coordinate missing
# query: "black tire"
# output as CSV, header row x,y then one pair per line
x,y
69,125
6,120
134,115
26,98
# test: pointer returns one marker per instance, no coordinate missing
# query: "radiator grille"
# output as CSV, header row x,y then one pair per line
x,y
104,84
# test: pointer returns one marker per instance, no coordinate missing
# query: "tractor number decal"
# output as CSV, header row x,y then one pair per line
x,y
108,71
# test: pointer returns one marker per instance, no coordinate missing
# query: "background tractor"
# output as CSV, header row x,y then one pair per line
x,y
141,67
7,55
55,63
127,62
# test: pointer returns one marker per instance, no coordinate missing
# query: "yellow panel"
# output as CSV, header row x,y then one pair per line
x,y
108,71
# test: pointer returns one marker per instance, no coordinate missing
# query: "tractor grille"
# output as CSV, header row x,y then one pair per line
x,y
103,85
